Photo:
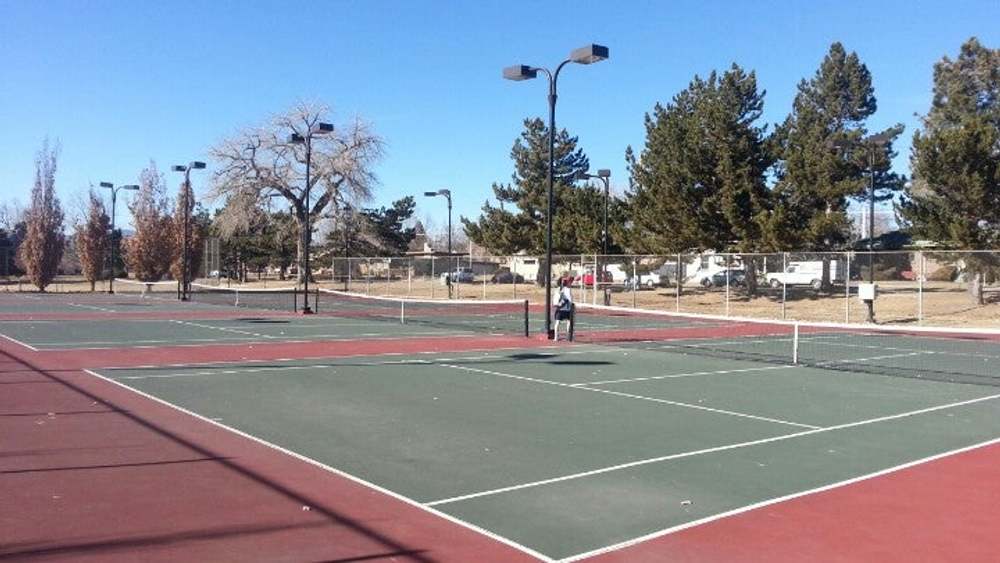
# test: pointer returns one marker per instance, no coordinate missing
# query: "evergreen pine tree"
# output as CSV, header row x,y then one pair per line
x,y
954,198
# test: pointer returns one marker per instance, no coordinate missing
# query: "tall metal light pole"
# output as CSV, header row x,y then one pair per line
x,y
447,194
584,55
348,222
872,144
604,175
295,138
111,236
188,204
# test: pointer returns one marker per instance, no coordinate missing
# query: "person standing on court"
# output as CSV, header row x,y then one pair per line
x,y
447,282
564,309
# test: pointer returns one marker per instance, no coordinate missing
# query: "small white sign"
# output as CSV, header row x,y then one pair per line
x,y
867,291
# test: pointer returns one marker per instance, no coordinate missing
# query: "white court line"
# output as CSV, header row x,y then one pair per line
x,y
875,347
224,329
626,395
776,500
335,471
682,375
693,453
317,338
95,307
19,343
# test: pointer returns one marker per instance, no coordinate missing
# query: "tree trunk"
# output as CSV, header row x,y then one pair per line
x,y
825,284
93,285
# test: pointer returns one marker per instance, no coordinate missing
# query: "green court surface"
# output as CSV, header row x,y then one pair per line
x,y
570,449
124,333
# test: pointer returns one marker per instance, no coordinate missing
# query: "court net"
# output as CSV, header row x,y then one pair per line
x,y
507,317
125,286
941,354
267,299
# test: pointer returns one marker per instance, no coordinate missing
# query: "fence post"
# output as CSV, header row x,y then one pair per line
x,y
847,291
784,286
433,277
513,276
728,264
678,275
920,289
635,279
409,277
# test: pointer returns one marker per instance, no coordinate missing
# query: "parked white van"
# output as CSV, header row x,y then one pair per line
x,y
805,273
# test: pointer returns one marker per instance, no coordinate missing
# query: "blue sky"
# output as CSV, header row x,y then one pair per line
x,y
119,83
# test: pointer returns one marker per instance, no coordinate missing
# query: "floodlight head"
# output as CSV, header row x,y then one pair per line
x,y
880,138
589,54
132,187
430,194
581,175
841,143
295,139
179,168
519,72
107,185
197,165
322,129
603,173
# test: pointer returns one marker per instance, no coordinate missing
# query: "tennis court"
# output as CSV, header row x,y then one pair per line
x,y
646,425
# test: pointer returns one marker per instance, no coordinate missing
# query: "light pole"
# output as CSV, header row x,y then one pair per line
x,y
111,238
871,143
604,175
348,221
584,55
188,204
447,194
316,130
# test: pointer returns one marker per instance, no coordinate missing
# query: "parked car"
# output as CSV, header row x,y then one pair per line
x,y
737,278
461,275
648,281
506,276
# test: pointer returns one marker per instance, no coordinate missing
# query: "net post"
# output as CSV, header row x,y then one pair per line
x,y
526,316
295,299
316,300
402,312
795,343
409,277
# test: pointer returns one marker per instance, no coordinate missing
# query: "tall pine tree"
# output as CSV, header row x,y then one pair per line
x,y
823,160
954,198
699,183
518,223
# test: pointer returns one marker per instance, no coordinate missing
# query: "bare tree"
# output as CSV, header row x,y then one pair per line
x,y
92,239
256,163
43,244
148,252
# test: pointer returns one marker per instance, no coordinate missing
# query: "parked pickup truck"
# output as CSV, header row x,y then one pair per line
x,y
804,273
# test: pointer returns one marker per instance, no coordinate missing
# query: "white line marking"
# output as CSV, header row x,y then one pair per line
x,y
335,471
681,375
776,500
19,343
708,451
94,307
224,329
627,395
